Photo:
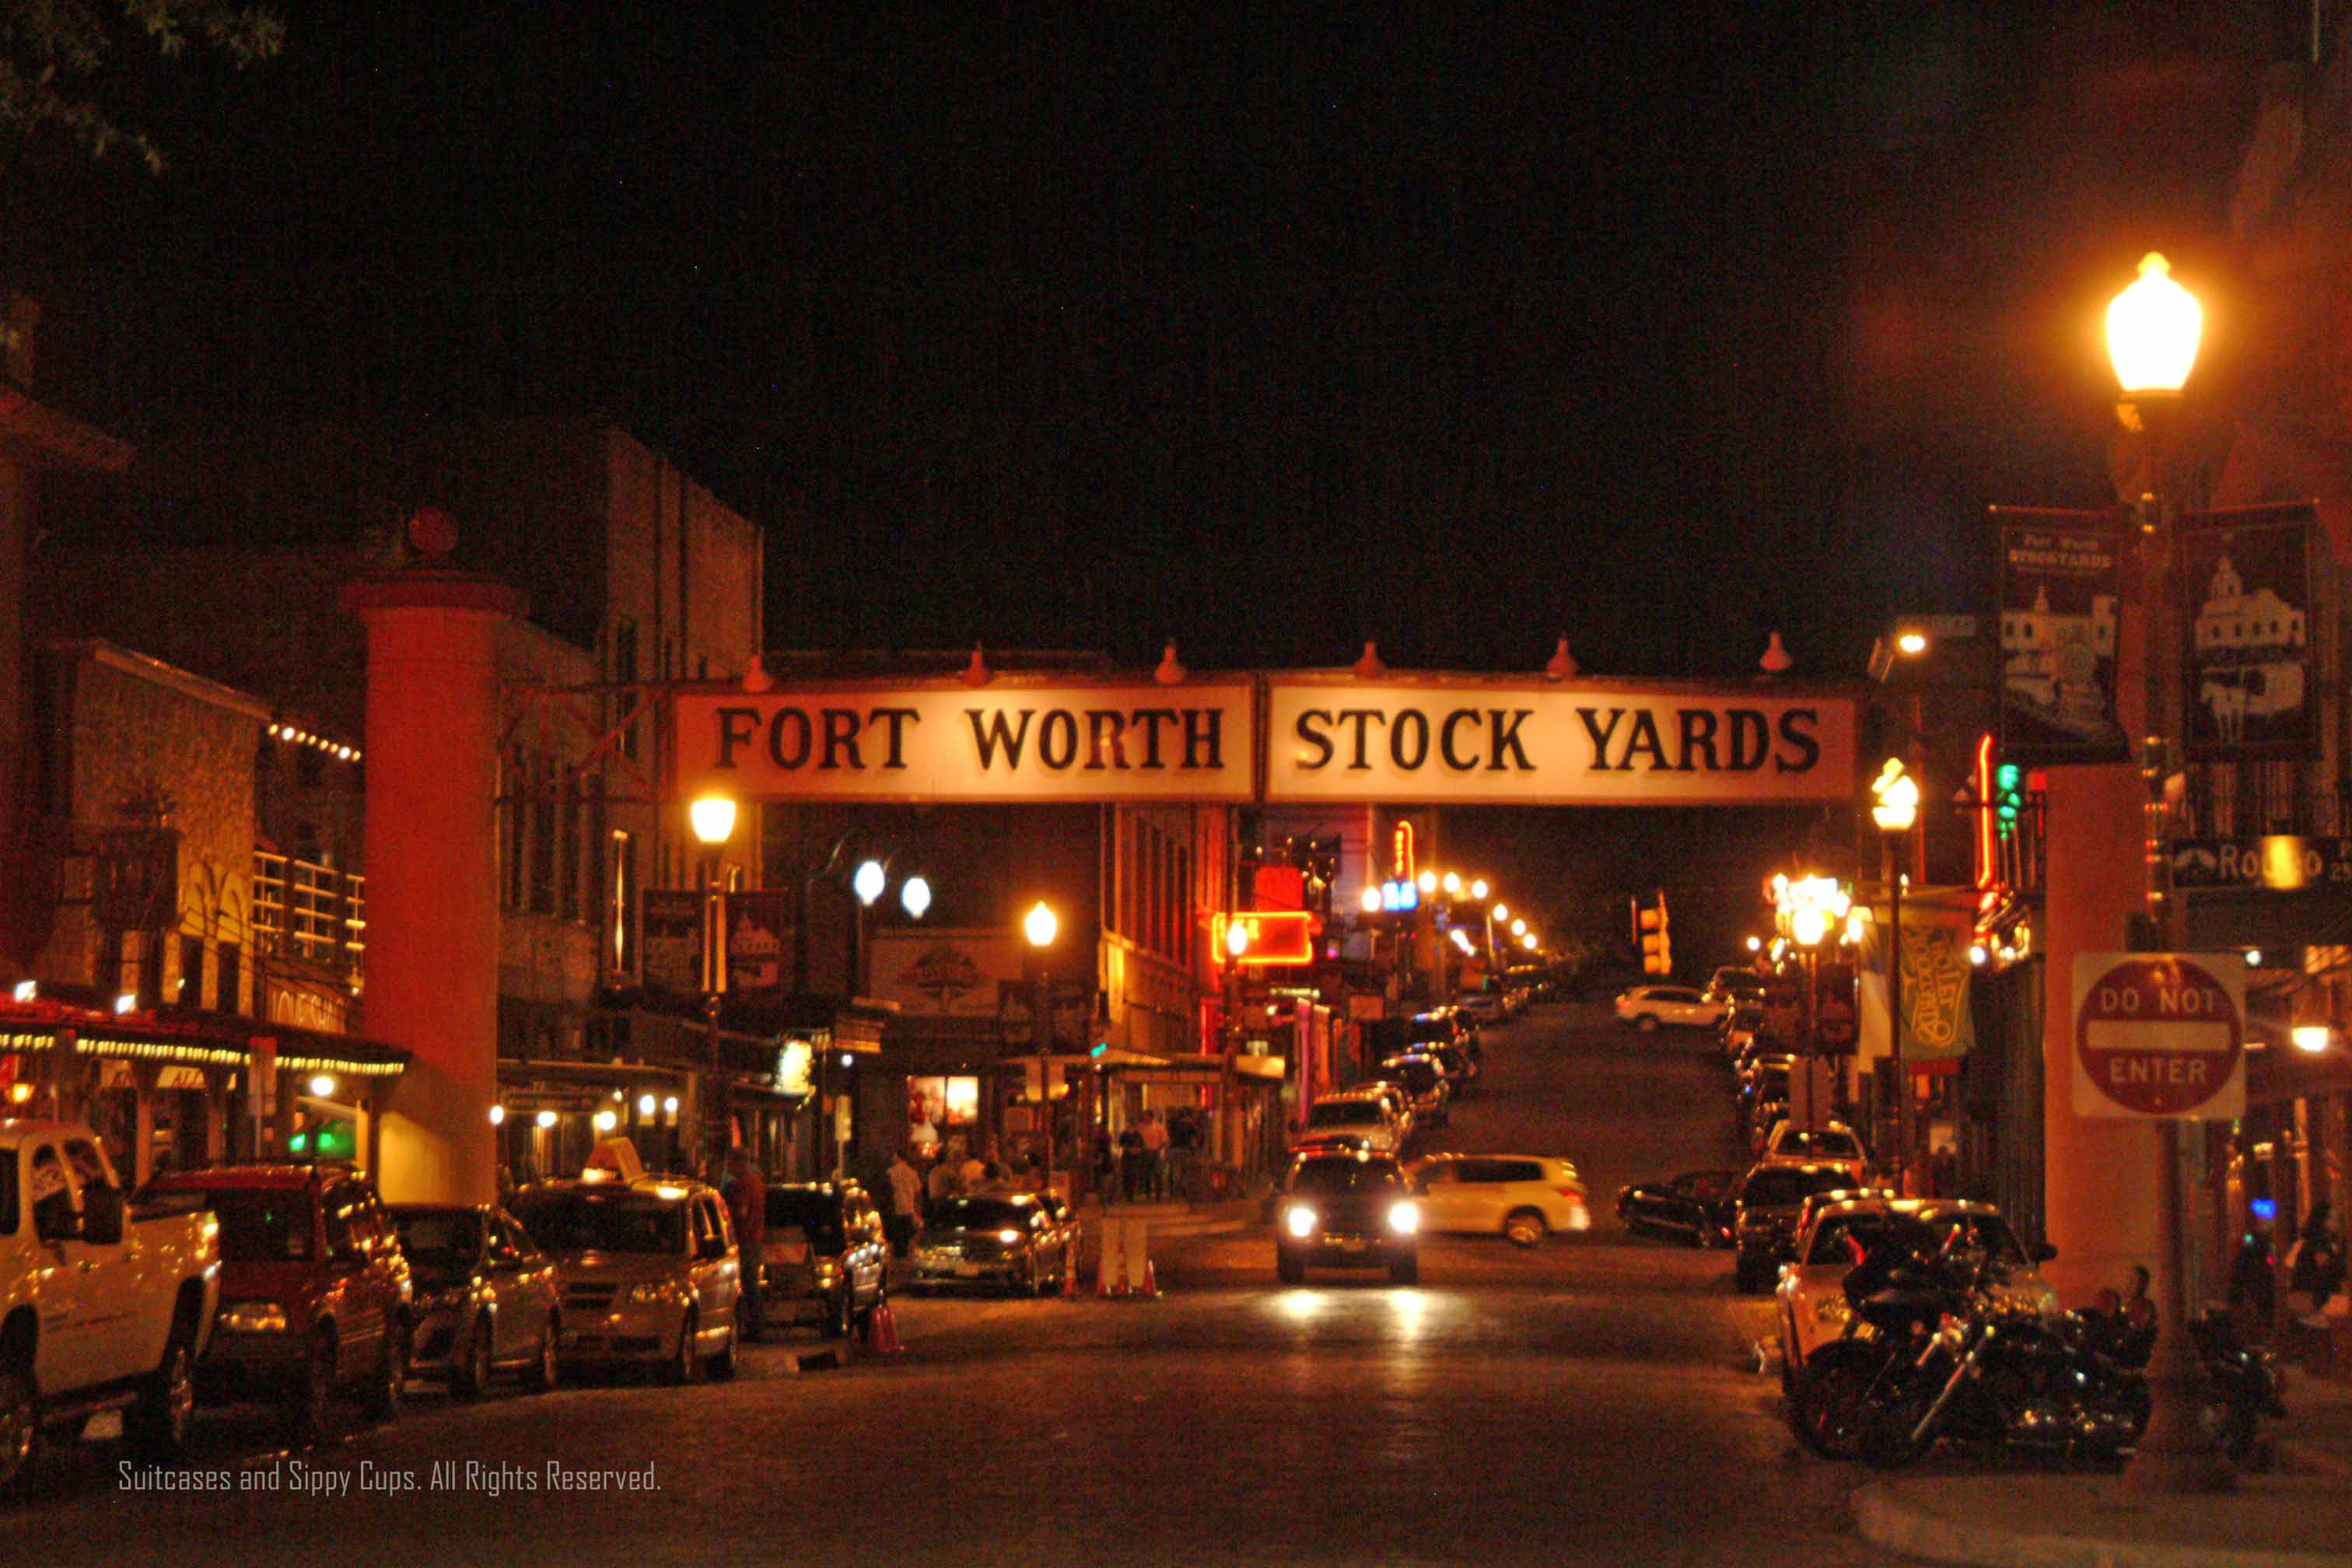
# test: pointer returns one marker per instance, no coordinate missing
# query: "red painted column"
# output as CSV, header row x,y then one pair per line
x,y
432,864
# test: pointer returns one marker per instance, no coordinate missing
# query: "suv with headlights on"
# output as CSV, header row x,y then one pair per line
x,y
1011,1240
647,1269
1349,1211
823,1262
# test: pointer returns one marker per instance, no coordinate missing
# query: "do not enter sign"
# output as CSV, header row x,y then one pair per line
x,y
2160,1035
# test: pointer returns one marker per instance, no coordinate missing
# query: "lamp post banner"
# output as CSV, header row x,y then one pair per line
x,y
945,741
2161,1035
2060,595
2244,586
1466,741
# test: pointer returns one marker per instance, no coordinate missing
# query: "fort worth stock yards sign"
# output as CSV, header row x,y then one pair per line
x,y
1461,739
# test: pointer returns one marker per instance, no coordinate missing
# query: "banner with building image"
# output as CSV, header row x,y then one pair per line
x,y
2061,598
2247,651
759,943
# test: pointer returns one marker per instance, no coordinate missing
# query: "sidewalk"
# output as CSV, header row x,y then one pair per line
x,y
2316,1438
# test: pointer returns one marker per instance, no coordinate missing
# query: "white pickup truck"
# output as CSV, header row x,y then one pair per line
x,y
100,1308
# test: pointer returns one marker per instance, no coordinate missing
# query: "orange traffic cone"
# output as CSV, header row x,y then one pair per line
x,y
882,1329
1150,1280
1070,1275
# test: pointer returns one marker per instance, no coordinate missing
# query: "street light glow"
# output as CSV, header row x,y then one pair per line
x,y
1371,900
646,1105
323,1086
1911,643
498,1115
867,881
713,817
1528,941
2153,330
2311,1037
1809,924
915,897
1427,881
1755,944
1478,888
606,1122
1040,924
1894,798
1501,912
1237,938
1518,928
545,1119
1452,883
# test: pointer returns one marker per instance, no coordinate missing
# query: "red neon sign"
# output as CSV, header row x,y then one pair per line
x,y
1269,937
1404,849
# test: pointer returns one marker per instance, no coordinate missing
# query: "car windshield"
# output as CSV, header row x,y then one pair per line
x,y
1430,1029
1832,1145
1420,1077
1343,1113
447,1236
1980,1233
817,1215
604,1222
1791,1187
256,1225
1332,1177
979,1213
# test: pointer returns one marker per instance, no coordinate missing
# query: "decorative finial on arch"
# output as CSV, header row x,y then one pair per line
x,y
1776,659
1370,668
1560,666
1171,668
757,678
977,672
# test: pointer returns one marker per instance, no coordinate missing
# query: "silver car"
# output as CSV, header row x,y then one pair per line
x,y
648,1269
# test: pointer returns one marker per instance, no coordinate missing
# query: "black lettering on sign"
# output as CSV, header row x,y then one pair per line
x,y
840,735
1593,728
1313,737
1204,738
1644,738
1698,735
1057,732
1419,723
1751,738
1362,716
997,735
797,758
896,718
1446,740
1507,738
1102,722
736,728
1150,719
1797,731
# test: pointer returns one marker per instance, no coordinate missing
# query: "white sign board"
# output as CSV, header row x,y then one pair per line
x,y
945,741
1465,741
2159,1035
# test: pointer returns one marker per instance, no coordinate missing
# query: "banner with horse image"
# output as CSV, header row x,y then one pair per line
x,y
2248,654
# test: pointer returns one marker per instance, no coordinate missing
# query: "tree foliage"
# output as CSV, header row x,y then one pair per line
x,y
56,55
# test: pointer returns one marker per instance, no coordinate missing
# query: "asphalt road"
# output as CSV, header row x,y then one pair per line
x,y
1593,1401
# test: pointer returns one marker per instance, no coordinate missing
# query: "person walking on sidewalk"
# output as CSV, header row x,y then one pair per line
x,y
1155,1155
1131,1161
2315,1263
905,1203
746,1202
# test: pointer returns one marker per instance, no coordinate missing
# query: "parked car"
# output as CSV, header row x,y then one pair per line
x,y
1651,1007
1812,1307
1734,984
1483,1006
1764,1217
1367,1117
1440,1026
1346,1211
485,1296
824,1260
1695,1207
648,1269
102,1307
1460,1072
1522,1196
315,1292
1835,1144
1013,1241
1424,1083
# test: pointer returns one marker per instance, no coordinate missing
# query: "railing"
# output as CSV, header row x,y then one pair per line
x,y
313,912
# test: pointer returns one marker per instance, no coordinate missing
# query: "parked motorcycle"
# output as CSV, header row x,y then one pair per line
x,y
1934,1349
2242,1381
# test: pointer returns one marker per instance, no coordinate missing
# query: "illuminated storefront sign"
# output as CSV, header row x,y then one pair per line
x,y
1270,937
1462,740
948,742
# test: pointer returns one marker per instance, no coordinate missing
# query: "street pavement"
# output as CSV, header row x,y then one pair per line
x,y
1596,1399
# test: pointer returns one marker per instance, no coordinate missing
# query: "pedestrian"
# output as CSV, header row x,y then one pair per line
x,y
942,1182
747,1200
1155,1155
994,1182
1105,1164
905,1203
971,1173
2254,1293
2316,1262
1183,1142
1131,1161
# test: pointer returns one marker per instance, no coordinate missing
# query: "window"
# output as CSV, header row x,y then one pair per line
x,y
568,845
191,971
228,979
538,833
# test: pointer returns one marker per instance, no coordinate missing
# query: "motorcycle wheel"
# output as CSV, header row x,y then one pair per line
x,y
1830,1410
2230,1425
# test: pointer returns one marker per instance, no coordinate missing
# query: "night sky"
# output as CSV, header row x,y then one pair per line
x,y
1269,328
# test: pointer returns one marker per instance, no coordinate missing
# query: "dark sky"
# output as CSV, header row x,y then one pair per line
x,y
1267,328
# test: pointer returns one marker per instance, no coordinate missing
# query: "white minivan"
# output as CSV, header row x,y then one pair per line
x,y
1523,1196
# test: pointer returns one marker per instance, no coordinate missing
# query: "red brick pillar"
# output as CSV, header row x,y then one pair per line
x,y
432,863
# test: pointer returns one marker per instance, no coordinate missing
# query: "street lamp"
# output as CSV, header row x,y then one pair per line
x,y
2313,1038
1451,882
1528,941
915,897
1518,928
1895,807
1913,643
1372,899
1237,939
2154,328
1478,887
1427,881
1041,925
867,881
713,818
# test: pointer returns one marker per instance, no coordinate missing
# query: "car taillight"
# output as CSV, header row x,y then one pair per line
x,y
1576,1192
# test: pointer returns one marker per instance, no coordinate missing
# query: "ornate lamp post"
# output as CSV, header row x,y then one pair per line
x,y
713,818
1895,807
1040,926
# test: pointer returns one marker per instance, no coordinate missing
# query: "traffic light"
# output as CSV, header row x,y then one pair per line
x,y
2007,796
1657,953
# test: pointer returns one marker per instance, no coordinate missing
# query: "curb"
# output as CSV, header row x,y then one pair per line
x,y
1885,1518
2303,1459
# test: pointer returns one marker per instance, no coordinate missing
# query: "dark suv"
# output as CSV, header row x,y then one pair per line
x,y
824,1260
1764,1226
314,1289
1348,1211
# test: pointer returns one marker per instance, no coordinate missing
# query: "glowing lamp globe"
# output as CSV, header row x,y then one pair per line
x,y
915,897
1039,925
867,881
2153,328
1370,900
1478,888
713,817
1237,938
1808,925
1452,881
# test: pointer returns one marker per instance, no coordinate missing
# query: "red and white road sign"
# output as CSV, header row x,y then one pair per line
x,y
2160,1035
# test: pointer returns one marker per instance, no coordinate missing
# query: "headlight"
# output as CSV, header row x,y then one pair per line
x,y
1300,1220
649,1293
253,1318
1009,1237
1403,1218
